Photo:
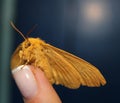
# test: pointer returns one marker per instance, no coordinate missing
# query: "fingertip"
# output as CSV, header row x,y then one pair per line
x,y
25,80
34,85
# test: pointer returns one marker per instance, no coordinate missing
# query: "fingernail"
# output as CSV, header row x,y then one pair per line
x,y
25,80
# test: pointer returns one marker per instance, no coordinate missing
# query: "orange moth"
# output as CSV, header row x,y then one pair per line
x,y
59,66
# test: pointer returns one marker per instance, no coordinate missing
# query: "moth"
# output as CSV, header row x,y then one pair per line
x,y
59,66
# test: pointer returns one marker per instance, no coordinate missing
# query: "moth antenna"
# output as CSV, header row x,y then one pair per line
x,y
17,30
31,30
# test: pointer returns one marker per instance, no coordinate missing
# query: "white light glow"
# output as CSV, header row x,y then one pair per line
x,y
95,16
93,12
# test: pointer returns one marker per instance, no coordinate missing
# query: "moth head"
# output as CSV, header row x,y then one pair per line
x,y
26,42
19,57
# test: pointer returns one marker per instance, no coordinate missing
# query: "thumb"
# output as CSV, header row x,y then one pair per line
x,y
34,86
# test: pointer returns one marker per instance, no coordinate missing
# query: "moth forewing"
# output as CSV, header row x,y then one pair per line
x,y
89,75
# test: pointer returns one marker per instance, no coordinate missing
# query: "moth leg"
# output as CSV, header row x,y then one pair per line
x,y
24,65
23,60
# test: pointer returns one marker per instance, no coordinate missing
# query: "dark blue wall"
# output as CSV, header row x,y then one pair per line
x,y
59,22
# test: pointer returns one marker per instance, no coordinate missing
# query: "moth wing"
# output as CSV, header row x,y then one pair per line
x,y
71,71
63,72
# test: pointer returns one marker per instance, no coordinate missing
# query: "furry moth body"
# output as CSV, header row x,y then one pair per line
x,y
59,66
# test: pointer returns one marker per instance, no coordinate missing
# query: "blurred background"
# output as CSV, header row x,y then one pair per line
x,y
89,29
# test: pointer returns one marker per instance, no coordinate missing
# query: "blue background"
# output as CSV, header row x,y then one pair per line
x,y
59,24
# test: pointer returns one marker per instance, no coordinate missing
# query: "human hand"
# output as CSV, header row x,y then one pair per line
x,y
34,86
